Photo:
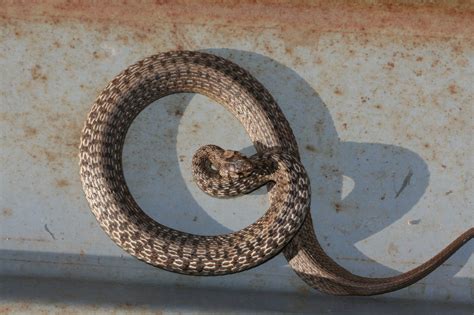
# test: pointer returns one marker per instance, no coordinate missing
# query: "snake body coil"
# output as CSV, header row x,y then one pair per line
x,y
122,219
219,173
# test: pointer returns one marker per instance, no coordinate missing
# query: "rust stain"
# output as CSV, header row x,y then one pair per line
x,y
30,131
37,73
50,156
338,207
100,55
61,183
62,135
395,17
453,89
390,65
7,212
338,91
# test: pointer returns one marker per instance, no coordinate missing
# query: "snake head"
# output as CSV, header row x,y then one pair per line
x,y
234,164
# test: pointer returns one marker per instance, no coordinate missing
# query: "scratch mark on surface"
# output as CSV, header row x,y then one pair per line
x,y
50,233
405,183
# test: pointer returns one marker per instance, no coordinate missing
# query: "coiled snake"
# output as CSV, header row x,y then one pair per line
x,y
287,224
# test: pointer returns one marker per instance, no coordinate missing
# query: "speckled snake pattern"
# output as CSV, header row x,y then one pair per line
x,y
287,224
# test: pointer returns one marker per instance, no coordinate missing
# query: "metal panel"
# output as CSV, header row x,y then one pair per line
x,y
380,98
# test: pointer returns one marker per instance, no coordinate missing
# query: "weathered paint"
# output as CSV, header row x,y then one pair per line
x,y
380,97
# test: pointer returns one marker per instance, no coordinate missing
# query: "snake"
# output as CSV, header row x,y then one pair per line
x,y
216,169
287,224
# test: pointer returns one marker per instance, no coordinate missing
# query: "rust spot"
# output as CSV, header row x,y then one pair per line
x,y
100,55
419,58
61,183
453,89
82,253
435,63
268,48
338,91
50,156
457,49
178,113
338,207
30,131
426,145
311,148
390,65
449,192
378,106
37,74
7,212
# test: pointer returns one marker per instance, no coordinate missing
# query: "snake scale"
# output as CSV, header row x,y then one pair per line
x,y
286,226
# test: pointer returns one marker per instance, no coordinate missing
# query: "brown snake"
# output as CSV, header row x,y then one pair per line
x,y
286,225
